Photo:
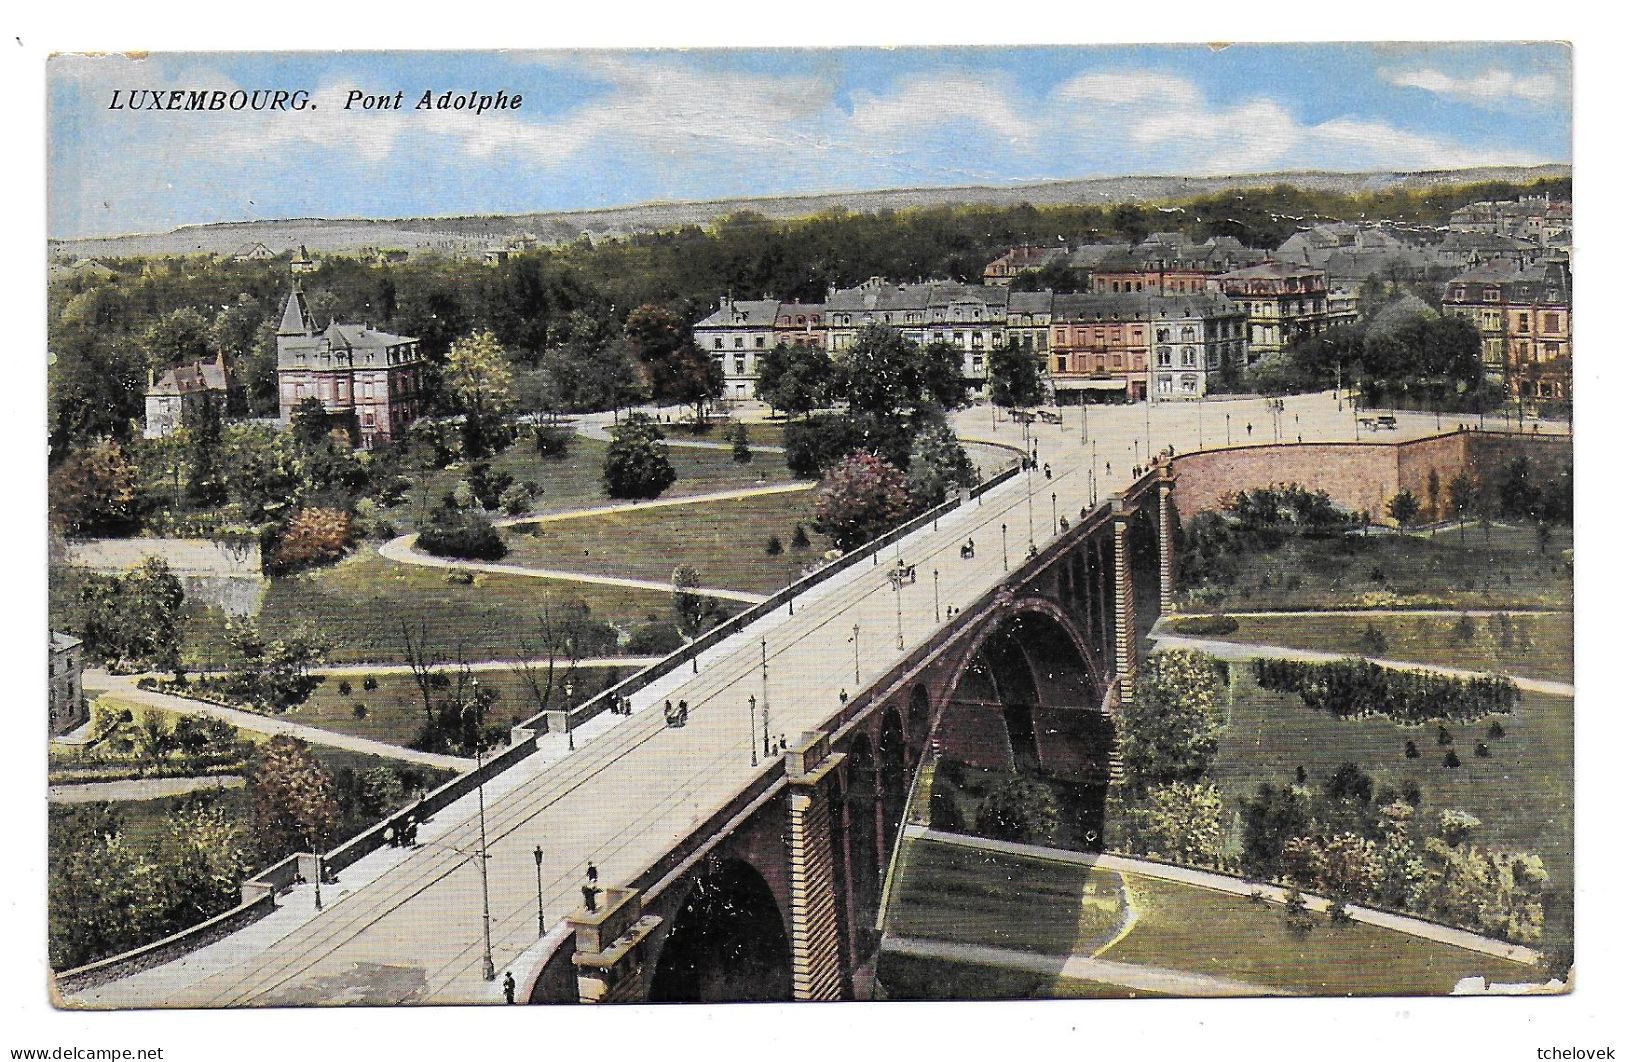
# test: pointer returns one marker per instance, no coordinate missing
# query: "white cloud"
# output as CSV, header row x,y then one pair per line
x,y
1484,87
955,102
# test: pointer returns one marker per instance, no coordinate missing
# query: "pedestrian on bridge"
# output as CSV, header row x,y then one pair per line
x,y
592,872
508,986
1047,473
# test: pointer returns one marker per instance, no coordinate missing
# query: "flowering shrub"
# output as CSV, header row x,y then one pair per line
x,y
861,498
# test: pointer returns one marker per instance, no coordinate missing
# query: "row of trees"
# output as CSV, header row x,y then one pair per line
x,y
1355,689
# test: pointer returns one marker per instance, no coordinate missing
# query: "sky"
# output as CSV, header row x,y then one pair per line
x,y
605,128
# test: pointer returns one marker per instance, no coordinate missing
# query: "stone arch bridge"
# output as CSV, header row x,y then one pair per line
x,y
777,895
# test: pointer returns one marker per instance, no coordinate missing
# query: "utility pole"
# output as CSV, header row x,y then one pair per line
x,y
897,596
752,741
764,698
936,592
1004,546
490,970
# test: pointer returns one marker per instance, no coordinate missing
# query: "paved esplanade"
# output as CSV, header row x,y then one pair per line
x,y
406,927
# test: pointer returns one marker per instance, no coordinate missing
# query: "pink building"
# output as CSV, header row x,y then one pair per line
x,y
354,369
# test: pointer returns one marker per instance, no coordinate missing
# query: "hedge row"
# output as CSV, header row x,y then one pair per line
x,y
1358,688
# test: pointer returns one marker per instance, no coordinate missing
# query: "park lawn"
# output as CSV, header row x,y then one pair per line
x,y
1523,793
916,977
575,480
1399,571
758,433
394,711
1184,927
1536,646
960,895
357,608
725,541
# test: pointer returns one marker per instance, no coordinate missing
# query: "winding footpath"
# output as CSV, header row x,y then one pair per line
x,y
403,549
1240,651
141,788
125,688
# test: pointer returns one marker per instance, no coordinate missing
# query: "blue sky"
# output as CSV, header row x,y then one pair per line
x,y
609,128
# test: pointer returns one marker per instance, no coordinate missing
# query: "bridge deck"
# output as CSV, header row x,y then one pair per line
x,y
405,927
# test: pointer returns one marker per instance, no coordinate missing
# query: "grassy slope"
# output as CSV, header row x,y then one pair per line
x,y
1438,572
395,708
1540,646
1186,928
724,541
1523,793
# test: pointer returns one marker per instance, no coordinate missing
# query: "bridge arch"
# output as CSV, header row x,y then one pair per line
x,y
727,941
860,804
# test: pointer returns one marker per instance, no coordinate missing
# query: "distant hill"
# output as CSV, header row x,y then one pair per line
x,y
470,235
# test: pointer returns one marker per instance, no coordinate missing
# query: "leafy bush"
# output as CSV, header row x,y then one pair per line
x,y
774,546
468,535
1018,809
1204,625
516,500
344,687
369,683
1170,732
799,539
655,638
637,463
1354,689
861,498
553,442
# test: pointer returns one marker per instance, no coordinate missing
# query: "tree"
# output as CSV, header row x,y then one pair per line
x,y
177,338
205,855
565,633
133,621
205,475
887,374
678,371
312,536
636,463
423,661
480,379
1404,507
937,464
1343,864
1015,377
694,611
94,490
860,498
272,673
1170,733
1182,823
741,444
795,379
1016,808
106,892
295,801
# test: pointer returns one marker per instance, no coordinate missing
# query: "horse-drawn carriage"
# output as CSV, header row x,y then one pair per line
x,y
900,575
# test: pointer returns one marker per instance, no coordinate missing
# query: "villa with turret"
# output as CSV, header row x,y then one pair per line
x,y
371,378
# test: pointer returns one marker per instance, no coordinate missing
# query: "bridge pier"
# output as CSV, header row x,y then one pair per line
x,y
1165,539
611,948
1126,652
815,932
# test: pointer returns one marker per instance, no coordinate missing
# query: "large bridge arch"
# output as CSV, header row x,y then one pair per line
x,y
727,941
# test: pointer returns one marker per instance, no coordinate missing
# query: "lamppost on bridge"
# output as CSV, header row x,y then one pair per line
x,y
1084,404
1054,514
541,911
1031,539
1227,429
569,728
1004,546
484,854
752,741
936,592
897,599
857,680
764,698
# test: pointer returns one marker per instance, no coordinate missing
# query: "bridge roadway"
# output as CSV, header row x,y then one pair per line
x,y
405,927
